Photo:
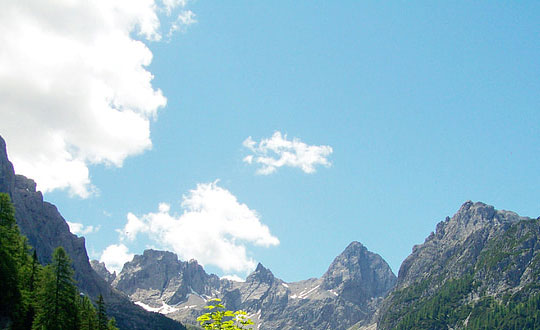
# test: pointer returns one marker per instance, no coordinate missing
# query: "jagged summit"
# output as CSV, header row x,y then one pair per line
x,y
261,274
348,293
491,253
101,269
359,274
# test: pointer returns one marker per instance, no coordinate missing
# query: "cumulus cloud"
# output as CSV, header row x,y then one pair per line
x,y
75,88
80,229
115,256
213,229
275,152
234,278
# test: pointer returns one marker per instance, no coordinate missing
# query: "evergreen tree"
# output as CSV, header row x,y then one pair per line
x,y
10,297
87,314
29,292
101,314
111,325
57,308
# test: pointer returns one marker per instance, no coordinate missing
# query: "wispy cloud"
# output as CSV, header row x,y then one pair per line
x,y
215,228
80,229
184,19
275,152
75,88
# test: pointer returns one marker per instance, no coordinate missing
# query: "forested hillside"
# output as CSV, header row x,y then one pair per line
x,y
480,270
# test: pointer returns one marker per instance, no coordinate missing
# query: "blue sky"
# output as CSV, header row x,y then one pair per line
x,y
424,106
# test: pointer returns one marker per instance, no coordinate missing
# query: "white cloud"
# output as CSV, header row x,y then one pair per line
x,y
74,85
115,256
80,229
213,229
277,151
183,21
234,278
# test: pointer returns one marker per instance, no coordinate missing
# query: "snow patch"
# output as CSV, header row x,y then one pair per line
x,y
164,309
305,293
190,306
285,285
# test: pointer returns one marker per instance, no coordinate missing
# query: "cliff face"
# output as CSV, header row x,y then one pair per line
x,y
480,253
348,293
46,229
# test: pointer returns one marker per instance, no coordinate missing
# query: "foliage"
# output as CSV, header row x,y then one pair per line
x,y
36,297
57,295
10,299
220,318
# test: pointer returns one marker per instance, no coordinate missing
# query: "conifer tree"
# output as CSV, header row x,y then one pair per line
x,y
57,308
101,313
111,325
88,317
10,297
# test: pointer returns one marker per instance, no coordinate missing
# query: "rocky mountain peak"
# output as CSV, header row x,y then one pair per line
x,y
358,274
151,255
489,252
470,218
261,274
7,175
102,271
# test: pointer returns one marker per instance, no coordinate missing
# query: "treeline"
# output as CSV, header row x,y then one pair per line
x,y
37,297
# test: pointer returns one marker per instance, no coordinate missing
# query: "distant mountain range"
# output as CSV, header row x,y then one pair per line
x,y
348,293
480,269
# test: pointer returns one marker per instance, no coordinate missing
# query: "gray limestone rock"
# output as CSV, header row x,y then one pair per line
x,y
347,294
498,250
101,270
46,229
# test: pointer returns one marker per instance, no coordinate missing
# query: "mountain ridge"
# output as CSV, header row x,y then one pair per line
x,y
45,228
480,257
347,293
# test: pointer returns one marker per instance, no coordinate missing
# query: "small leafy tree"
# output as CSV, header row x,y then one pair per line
x,y
218,318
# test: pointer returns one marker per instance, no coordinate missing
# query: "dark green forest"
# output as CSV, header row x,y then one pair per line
x,y
33,296
446,308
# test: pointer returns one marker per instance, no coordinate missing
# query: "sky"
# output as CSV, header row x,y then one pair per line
x,y
276,132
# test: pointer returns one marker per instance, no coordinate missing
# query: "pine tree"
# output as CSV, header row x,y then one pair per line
x,y
57,308
101,313
111,325
10,297
87,314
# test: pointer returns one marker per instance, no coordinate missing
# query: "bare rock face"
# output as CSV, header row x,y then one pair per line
x,y
347,294
102,271
46,229
478,253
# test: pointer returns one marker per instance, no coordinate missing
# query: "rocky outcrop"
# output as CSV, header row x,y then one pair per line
x,y
479,253
46,229
348,293
102,271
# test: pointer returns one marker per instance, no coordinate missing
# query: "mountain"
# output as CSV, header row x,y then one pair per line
x,y
102,271
348,293
479,270
46,229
